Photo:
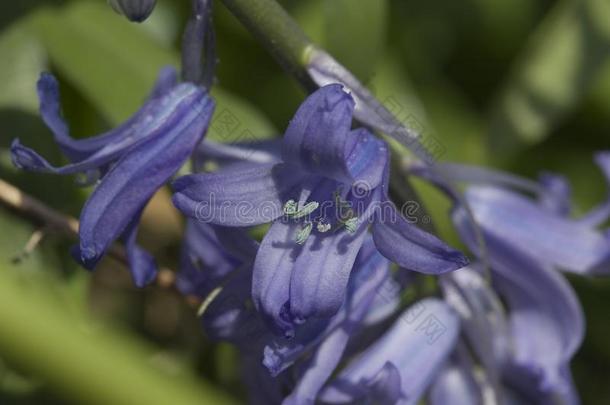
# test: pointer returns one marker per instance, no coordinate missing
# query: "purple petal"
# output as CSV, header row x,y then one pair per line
x,y
546,323
556,198
601,213
293,282
548,238
241,195
133,180
167,79
141,264
27,159
321,272
79,149
271,275
50,110
603,161
412,248
417,346
107,148
365,287
319,140
316,139
524,389
386,386
319,369
484,321
366,158
454,385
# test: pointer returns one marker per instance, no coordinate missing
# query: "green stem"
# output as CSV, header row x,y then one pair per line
x,y
278,32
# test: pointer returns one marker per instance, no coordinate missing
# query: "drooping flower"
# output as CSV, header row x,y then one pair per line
x,y
134,10
400,365
133,160
372,295
523,241
538,225
321,200
525,347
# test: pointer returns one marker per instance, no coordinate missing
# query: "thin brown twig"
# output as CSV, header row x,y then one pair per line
x,y
36,210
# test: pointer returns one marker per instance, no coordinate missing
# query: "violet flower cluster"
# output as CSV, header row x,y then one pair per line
x,y
322,308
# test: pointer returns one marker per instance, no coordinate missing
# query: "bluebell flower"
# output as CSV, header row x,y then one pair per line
x,y
400,365
523,233
372,296
321,199
531,217
133,161
134,10
526,345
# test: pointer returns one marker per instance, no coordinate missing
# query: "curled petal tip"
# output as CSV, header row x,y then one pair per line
x,y
85,256
25,158
458,259
47,81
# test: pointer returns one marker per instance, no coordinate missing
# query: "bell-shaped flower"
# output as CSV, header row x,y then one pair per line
x,y
133,160
402,363
532,217
522,240
546,323
331,184
369,280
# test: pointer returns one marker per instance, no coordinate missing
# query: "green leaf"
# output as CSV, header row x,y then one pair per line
x,y
81,361
552,73
22,59
356,33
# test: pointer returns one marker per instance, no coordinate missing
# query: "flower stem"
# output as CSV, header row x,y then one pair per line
x,y
277,31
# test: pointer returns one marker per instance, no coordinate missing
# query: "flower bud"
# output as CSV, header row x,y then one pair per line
x,y
134,10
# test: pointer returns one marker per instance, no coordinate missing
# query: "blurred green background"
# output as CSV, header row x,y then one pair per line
x,y
517,84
